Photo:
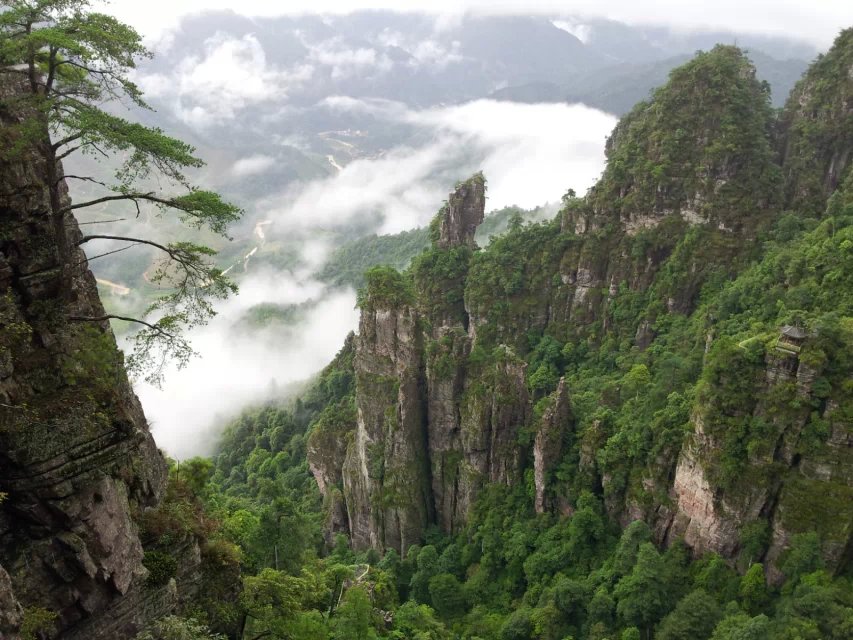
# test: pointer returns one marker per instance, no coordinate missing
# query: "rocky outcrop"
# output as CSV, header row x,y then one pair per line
x,y
463,213
459,362
431,429
11,612
385,475
76,456
790,490
816,136
548,446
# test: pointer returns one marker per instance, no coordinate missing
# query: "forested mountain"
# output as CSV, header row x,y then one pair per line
x,y
632,420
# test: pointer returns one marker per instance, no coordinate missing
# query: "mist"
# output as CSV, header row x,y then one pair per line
x,y
530,153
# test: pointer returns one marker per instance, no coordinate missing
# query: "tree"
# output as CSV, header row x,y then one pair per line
x,y
354,619
72,61
517,626
418,621
803,557
175,628
694,618
273,600
447,596
625,556
753,589
642,595
742,627
427,561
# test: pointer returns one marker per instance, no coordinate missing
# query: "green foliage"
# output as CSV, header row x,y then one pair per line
x,y
76,60
161,566
446,595
657,162
642,596
385,288
741,626
803,557
176,628
693,618
817,128
348,263
354,619
753,589
36,622
680,332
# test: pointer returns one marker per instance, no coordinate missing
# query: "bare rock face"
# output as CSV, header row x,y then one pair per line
x,y
548,444
463,214
791,491
386,478
11,613
76,455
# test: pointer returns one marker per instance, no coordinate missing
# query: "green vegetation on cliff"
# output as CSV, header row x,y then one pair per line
x,y
654,329
648,413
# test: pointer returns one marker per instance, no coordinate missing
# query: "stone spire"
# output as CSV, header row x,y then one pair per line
x,y
464,212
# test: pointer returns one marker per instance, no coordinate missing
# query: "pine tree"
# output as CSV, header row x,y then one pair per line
x,y
71,62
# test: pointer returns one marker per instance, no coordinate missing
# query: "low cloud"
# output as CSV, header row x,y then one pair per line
x,y
582,32
252,165
344,61
818,22
530,154
231,74
423,51
238,368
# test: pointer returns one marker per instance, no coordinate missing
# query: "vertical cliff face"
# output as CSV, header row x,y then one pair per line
x,y
76,456
555,426
432,429
794,489
386,477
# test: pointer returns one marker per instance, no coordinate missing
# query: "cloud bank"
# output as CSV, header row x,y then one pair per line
x,y
530,154
817,22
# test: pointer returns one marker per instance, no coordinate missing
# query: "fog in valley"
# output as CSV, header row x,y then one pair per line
x,y
327,129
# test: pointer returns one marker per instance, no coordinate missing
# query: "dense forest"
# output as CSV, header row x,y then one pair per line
x,y
701,331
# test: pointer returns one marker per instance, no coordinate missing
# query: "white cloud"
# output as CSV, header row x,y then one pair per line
x,y
818,22
231,74
424,51
580,31
344,61
237,368
436,55
252,165
530,154
533,152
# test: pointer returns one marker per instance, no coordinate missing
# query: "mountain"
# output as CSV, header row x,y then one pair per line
x,y
305,63
632,420
629,421
619,87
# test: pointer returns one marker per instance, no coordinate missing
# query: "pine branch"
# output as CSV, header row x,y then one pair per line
x,y
111,316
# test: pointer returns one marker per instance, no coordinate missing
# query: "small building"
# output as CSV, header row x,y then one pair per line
x,y
791,339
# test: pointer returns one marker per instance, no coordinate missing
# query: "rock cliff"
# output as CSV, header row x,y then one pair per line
x,y
76,455
815,129
463,361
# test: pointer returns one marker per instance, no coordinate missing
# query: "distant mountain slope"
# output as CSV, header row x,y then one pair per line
x,y
619,87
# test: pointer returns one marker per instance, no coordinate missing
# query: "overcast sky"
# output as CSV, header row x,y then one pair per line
x,y
817,21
